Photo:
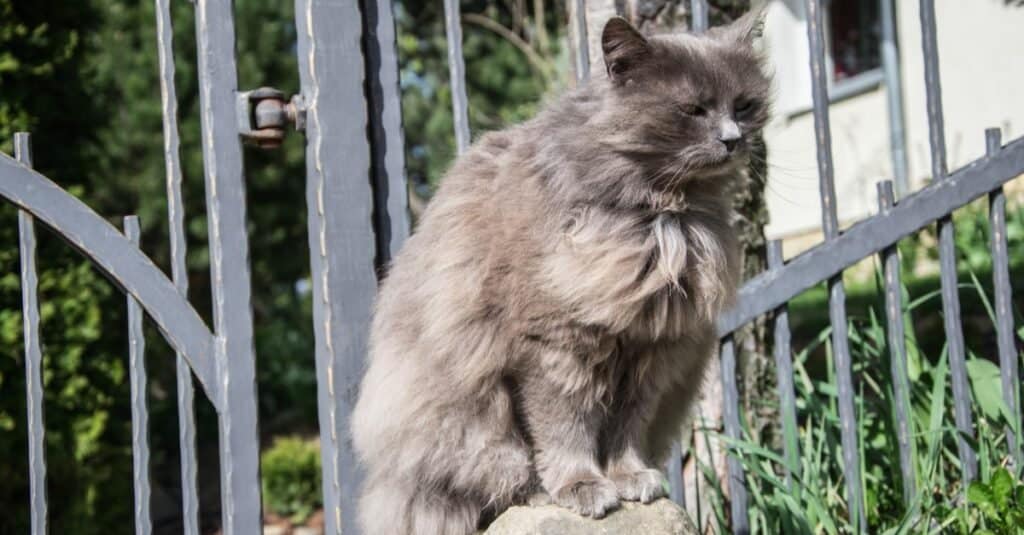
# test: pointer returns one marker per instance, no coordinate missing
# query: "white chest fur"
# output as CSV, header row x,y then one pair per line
x,y
634,273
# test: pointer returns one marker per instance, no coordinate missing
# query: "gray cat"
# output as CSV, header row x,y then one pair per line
x,y
545,330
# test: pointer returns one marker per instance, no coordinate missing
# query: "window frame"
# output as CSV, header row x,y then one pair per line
x,y
838,90
857,84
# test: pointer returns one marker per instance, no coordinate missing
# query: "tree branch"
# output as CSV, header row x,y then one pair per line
x,y
537,62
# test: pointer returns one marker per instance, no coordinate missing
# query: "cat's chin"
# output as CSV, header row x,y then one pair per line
x,y
725,167
717,172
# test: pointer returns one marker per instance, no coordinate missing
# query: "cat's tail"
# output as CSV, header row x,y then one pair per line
x,y
390,506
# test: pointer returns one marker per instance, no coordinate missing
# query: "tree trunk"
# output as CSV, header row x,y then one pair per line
x,y
757,390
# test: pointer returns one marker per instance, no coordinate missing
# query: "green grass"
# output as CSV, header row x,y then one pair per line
x,y
809,317
815,501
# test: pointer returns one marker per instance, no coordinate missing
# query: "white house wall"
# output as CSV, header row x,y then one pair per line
x,y
981,50
981,53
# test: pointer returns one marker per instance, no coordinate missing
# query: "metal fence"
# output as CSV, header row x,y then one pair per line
x,y
769,292
357,217
349,108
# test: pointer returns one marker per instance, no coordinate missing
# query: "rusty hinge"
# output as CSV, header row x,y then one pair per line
x,y
264,113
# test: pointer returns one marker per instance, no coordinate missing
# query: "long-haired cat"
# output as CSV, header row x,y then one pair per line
x,y
546,328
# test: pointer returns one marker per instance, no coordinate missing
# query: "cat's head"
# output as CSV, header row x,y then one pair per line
x,y
685,106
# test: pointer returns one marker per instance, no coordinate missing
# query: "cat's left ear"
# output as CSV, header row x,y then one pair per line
x,y
624,48
745,29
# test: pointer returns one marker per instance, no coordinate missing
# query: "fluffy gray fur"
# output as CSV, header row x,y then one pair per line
x,y
545,330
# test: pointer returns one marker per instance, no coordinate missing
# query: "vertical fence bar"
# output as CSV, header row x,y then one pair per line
x,y
179,270
697,475
1004,300
731,400
579,43
676,490
699,16
384,103
457,73
229,269
737,486
784,376
894,96
890,260
33,353
955,348
341,239
837,293
847,414
947,247
140,413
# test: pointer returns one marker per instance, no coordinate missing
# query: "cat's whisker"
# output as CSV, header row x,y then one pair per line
x,y
808,173
784,197
787,179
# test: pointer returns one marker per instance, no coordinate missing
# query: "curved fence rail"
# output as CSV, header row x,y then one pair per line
x,y
115,255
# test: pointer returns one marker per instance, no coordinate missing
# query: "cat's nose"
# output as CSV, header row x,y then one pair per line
x,y
729,134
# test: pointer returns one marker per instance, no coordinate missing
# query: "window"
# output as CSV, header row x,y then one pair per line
x,y
853,43
855,36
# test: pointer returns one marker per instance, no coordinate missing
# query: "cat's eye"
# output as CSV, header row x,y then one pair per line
x,y
693,110
743,106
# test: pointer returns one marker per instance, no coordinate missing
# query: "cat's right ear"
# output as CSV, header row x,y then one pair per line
x,y
624,48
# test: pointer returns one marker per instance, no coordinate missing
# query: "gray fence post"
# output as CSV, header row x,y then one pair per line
x,y
836,291
140,410
579,45
784,378
897,343
384,102
179,271
733,429
1005,337
33,352
894,96
341,238
947,249
229,270
457,74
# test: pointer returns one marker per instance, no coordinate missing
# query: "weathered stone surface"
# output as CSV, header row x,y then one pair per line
x,y
662,517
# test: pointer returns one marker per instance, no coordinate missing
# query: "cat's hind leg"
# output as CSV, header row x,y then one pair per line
x,y
444,514
489,457
392,506
452,463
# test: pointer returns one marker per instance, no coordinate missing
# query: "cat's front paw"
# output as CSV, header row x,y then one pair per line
x,y
641,486
593,497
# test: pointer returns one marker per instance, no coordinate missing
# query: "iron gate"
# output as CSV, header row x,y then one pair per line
x,y
357,217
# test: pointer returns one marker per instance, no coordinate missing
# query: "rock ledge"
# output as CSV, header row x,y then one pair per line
x,y
663,517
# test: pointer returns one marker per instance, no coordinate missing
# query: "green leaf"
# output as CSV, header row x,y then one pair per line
x,y
988,390
979,494
1001,486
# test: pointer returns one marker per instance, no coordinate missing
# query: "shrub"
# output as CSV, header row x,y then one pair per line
x,y
291,478
997,504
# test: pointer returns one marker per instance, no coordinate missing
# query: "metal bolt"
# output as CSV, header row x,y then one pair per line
x,y
264,113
